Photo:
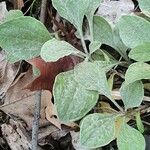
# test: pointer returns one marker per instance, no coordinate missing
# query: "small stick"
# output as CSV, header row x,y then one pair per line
x,y
35,126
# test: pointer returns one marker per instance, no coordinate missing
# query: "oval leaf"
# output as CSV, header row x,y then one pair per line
x,y
22,38
71,99
130,139
132,94
102,31
145,6
137,71
141,52
134,30
73,11
93,77
54,49
97,130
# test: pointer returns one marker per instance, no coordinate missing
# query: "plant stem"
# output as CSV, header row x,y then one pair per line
x,y
83,42
35,126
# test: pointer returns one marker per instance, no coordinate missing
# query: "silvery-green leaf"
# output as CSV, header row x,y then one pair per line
x,y
90,12
145,6
13,14
71,99
94,45
141,52
134,30
139,122
130,139
119,45
22,38
137,71
54,49
132,94
97,130
102,31
93,76
72,10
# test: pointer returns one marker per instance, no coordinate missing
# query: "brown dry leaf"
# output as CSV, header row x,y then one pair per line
x,y
113,10
21,103
7,74
49,70
51,115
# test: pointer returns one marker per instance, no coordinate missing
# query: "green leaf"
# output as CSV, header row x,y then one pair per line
x,y
13,14
137,71
72,10
145,6
139,123
97,130
22,38
132,94
102,31
141,52
119,45
93,77
130,139
90,12
134,30
95,45
54,49
71,99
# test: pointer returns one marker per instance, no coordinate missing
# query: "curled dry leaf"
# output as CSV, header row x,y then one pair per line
x,y
49,70
21,103
7,74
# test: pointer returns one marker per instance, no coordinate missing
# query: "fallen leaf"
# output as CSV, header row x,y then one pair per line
x,y
49,70
7,74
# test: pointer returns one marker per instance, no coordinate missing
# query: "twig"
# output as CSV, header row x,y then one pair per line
x,y
35,126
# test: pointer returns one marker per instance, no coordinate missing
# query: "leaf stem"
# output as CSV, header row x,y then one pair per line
x,y
83,42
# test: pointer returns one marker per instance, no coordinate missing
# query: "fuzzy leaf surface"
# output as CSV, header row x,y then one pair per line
x,y
22,38
130,138
54,49
132,94
97,130
134,30
71,99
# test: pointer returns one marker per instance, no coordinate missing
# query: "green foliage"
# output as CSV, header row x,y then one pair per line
x,y
131,30
145,7
13,14
72,100
77,91
49,53
141,52
129,139
132,94
93,77
139,123
137,71
97,130
22,38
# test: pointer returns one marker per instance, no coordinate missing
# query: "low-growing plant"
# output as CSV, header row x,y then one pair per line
x,y
77,91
